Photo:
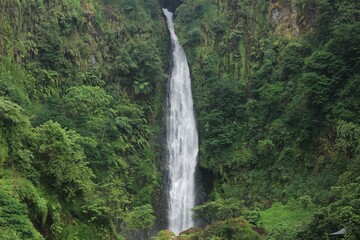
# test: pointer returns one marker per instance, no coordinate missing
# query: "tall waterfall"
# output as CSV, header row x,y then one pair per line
x,y
182,138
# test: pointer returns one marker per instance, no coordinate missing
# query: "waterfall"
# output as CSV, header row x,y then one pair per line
x,y
182,138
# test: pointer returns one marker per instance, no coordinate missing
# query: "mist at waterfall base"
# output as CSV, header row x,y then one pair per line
x,y
182,139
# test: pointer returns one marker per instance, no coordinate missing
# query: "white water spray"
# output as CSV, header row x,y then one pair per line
x,y
182,138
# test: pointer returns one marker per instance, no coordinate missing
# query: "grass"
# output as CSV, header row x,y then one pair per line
x,y
289,216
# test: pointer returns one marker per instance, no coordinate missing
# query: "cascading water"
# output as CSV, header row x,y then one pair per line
x,y
182,138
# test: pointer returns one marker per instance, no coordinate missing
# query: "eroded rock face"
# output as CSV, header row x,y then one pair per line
x,y
290,17
275,16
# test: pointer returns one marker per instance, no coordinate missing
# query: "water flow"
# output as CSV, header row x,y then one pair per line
x,y
182,138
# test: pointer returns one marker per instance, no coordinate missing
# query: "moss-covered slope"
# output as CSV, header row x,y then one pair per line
x,y
81,93
278,110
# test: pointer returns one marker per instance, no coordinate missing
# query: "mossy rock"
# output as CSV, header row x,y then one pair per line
x,y
183,237
192,231
165,235
236,228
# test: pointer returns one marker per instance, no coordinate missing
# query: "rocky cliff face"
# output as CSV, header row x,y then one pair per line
x,y
292,18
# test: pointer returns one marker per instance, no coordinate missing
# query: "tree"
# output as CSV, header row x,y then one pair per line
x,y
14,221
86,101
14,128
60,157
140,218
218,210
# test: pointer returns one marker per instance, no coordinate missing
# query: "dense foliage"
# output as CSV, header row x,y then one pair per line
x,y
81,94
82,90
275,88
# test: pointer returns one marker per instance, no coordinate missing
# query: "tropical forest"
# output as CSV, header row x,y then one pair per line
x,y
179,119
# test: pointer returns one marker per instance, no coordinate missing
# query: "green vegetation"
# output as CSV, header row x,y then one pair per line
x,y
274,88
276,91
140,218
234,228
282,221
81,94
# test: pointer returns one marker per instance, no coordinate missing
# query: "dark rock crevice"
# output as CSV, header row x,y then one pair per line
x,y
171,5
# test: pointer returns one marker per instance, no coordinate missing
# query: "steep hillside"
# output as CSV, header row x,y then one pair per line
x,y
81,93
275,88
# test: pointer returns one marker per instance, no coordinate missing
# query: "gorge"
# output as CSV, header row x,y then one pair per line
x,y
97,118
